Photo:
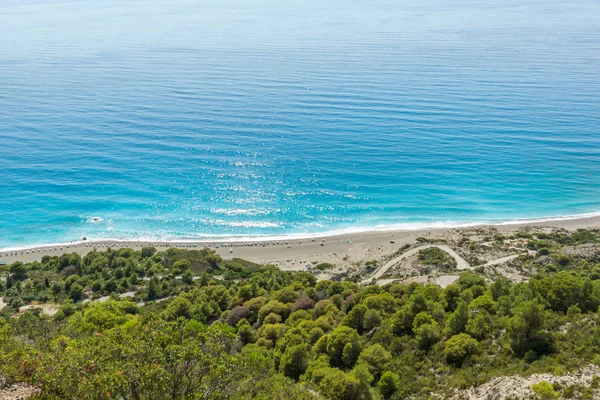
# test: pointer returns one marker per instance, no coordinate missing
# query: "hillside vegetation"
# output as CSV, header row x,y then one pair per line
x,y
193,326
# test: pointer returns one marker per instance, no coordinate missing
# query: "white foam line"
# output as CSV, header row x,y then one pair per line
x,y
210,238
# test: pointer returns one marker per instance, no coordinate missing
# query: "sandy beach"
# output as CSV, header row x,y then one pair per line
x,y
295,253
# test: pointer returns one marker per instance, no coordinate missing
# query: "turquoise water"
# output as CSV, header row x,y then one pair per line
x,y
190,119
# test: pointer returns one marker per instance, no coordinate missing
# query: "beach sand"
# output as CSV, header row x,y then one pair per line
x,y
340,250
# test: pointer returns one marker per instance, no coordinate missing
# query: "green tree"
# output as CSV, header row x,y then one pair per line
x,y
285,295
148,251
525,331
355,317
427,330
18,271
294,361
350,354
187,277
452,295
499,288
459,347
457,321
76,292
427,335
527,321
375,357
276,307
109,286
478,325
563,290
152,290
372,320
343,346
469,280
204,279
384,302
364,378
181,266
179,307
337,385
388,384
485,303
402,322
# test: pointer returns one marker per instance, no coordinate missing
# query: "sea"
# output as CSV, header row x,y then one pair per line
x,y
202,119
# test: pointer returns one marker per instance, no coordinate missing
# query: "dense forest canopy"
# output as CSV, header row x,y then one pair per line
x,y
182,324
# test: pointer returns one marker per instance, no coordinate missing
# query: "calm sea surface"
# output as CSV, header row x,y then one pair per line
x,y
185,119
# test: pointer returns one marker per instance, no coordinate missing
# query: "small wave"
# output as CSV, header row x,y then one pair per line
x,y
548,219
241,211
97,220
246,224
164,237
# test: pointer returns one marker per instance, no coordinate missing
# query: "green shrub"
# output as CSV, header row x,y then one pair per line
x,y
545,391
437,257
324,266
459,347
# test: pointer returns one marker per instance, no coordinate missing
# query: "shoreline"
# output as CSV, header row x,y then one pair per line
x,y
280,247
221,238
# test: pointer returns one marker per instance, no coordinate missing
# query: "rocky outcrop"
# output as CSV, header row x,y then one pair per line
x,y
18,392
519,387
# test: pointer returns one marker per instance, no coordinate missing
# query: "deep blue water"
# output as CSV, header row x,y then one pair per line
x,y
181,119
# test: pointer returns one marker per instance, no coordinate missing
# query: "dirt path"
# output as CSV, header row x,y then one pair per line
x,y
443,280
461,263
501,260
